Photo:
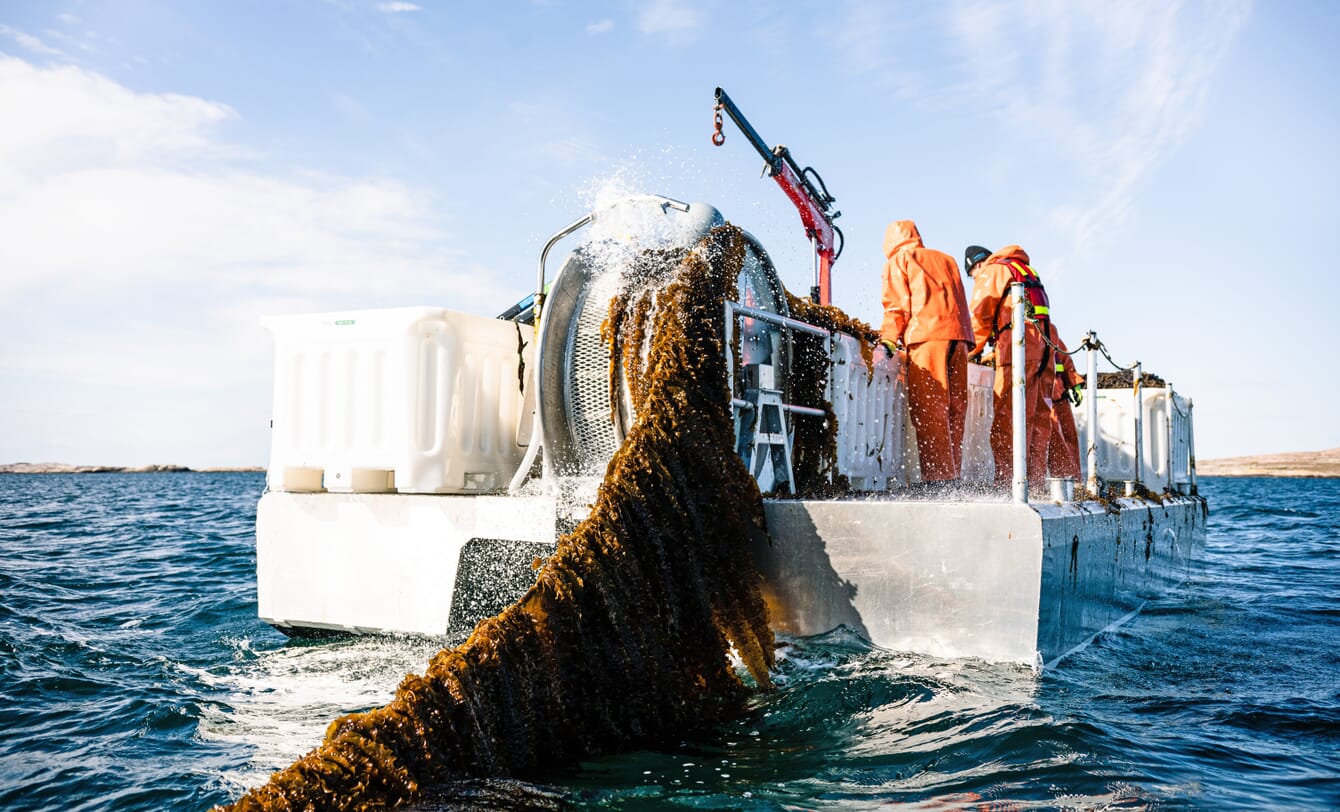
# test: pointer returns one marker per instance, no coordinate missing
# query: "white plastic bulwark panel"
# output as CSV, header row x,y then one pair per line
x,y
1116,437
978,464
415,400
868,406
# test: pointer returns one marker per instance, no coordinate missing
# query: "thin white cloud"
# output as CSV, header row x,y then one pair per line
x,y
600,27
104,184
565,139
398,7
65,119
141,247
676,21
29,42
348,105
872,39
1109,89
571,150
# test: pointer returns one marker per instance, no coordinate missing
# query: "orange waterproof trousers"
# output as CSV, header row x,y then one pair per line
x,y
1037,384
937,398
1063,447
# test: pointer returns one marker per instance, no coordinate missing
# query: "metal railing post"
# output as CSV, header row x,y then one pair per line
x,y
1169,406
729,330
1092,396
1018,366
544,255
1191,444
1139,422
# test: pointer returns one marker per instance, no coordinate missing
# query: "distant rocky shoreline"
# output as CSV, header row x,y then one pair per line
x,y
63,468
1295,464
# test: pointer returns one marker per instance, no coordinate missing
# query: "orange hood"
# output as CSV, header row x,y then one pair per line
x,y
899,236
1008,252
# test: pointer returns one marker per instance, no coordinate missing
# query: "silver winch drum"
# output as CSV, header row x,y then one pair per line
x,y
582,427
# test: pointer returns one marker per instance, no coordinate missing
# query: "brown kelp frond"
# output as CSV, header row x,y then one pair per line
x,y
624,636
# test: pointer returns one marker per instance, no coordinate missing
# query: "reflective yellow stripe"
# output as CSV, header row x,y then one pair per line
x,y
1060,367
1039,310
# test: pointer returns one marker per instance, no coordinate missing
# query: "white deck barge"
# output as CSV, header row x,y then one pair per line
x,y
412,478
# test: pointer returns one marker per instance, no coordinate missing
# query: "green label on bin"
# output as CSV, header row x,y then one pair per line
x,y
343,322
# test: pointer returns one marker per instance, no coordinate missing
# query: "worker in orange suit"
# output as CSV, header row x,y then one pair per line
x,y
926,314
1063,446
992,310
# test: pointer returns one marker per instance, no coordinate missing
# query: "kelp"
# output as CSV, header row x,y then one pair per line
x,y
625,635
1125,378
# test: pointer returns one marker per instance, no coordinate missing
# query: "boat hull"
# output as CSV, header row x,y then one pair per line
x,y
999,581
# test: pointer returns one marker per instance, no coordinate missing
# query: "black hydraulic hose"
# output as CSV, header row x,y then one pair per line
x,y
775,157
809,170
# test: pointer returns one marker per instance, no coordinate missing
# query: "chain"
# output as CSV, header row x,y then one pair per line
x,y
1103,349
1084,345
718,137
1042,331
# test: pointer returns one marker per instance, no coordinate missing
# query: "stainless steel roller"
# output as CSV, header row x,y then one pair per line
x,y
581,429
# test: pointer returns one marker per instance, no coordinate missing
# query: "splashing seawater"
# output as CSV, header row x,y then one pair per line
x,y
625,636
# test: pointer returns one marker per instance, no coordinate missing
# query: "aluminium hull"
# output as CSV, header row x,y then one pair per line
x,y
999,581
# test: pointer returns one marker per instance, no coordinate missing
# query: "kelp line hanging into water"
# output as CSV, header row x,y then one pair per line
x,y
624,637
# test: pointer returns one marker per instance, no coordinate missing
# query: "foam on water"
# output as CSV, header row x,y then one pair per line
x,y
281,700
1222,696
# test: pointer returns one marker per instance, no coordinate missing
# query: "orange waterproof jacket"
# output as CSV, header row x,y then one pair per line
x,y
991,308
923,293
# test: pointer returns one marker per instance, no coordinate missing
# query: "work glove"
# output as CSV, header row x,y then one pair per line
x,y
1075,394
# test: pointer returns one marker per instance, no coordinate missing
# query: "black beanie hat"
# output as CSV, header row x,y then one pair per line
x,y
974,254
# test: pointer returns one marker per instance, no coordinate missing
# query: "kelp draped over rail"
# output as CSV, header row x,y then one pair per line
x,y
624,636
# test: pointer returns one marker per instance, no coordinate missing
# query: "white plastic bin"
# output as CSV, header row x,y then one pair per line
x,y
415,400
869,408
1116,437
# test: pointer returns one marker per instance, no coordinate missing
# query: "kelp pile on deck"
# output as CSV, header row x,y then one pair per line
x,y
624,636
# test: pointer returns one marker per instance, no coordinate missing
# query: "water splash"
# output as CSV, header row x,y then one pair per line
x,y
624,637
280,700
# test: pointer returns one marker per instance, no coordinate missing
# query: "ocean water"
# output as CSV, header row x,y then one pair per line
x,y
135,675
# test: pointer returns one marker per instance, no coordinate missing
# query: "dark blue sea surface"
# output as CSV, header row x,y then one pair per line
x,y
135,675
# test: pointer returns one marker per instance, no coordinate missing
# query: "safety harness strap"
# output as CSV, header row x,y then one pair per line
x,y
1034,292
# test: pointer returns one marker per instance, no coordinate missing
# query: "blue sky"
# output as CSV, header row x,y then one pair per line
x,y
172,171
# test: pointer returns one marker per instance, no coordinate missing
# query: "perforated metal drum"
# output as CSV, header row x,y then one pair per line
x,y
583,422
